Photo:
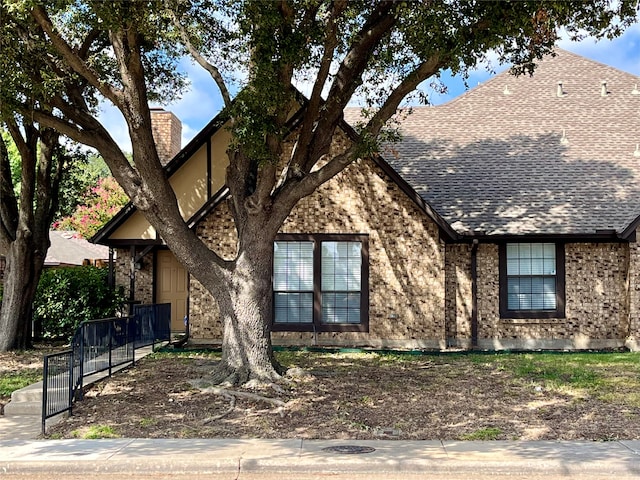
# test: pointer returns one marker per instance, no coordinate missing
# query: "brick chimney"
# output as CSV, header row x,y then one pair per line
x,y
167,132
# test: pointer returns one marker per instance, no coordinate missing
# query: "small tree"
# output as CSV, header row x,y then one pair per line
x,y
24,223
32,164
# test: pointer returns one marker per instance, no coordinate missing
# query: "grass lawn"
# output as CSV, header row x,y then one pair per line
x,y
19,369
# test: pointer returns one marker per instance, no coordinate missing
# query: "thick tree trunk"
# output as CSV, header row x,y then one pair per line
x,y
245,307
23,269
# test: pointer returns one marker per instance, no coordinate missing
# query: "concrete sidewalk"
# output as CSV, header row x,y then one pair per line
x,y
252,458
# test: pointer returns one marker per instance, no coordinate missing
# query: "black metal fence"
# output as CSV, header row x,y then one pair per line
x,y
97,346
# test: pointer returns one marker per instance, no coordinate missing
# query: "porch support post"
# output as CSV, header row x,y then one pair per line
x,y
132,278
111,278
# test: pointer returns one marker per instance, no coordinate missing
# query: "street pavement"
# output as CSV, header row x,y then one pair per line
x,y
305,459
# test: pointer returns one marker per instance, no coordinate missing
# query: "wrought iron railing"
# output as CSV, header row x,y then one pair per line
x,y
97,346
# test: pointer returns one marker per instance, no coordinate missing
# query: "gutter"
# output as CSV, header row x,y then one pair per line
x,y
474,293
597,236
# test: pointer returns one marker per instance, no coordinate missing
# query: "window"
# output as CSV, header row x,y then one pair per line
x,y
320,283
293,282
531,280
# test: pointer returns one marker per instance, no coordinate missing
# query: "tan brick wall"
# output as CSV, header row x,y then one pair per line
x,y
406,272
633,333
407,278
143,279
596,291
596,306
458,304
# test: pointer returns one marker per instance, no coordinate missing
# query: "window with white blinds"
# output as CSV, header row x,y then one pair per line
x,y
341,282
293,282
531,276
320,282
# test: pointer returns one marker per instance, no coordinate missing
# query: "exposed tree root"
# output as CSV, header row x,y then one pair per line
x,y
232,395
228,376
232,406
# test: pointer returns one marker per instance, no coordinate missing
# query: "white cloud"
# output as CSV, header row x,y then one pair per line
x,y
622,52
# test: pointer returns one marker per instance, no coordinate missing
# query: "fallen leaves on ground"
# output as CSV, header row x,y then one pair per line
x,y
349,396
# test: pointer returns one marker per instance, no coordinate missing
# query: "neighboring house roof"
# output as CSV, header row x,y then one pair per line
x,y
511,157
67,249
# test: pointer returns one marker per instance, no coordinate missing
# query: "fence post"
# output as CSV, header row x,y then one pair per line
x,y
45,374
110,344
132,338
71,362
80,361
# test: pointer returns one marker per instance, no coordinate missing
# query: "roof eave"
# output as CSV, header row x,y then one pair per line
x,y
102,236
596,236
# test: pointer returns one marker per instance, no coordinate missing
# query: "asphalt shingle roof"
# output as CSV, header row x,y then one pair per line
x,y
512,157
67,248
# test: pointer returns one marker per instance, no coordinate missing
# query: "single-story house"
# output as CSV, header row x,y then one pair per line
x,y
504,219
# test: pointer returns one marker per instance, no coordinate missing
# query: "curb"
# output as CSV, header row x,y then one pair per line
x,y
618,460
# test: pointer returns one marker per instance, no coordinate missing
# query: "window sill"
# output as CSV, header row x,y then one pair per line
x,y
308,327
532,321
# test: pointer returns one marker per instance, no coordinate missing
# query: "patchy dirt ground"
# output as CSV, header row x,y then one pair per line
x,y
29,362
361,396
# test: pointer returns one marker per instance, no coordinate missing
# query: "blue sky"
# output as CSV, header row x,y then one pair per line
x,y
202,102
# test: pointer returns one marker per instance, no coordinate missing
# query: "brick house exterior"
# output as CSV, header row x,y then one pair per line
x,y
505,219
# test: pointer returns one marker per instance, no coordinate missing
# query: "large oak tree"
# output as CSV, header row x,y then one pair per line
x,y
379,51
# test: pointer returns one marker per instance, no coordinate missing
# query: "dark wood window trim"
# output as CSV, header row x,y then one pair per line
x,y
316,325
559,312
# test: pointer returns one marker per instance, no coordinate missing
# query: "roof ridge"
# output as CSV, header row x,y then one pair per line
x,y
507,72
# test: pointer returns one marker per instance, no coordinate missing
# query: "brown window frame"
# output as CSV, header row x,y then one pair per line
x,y
316,325
559,312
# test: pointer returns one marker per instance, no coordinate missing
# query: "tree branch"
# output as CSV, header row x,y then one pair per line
x,y
72,58
313,107
424,71
45,184
83,128
9,204
199,58
28,147
84,49
347,80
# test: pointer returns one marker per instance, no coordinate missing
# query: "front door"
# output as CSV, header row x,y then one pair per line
x,y
171,287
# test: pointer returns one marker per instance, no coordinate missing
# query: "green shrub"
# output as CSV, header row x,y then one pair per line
x,y
68,296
